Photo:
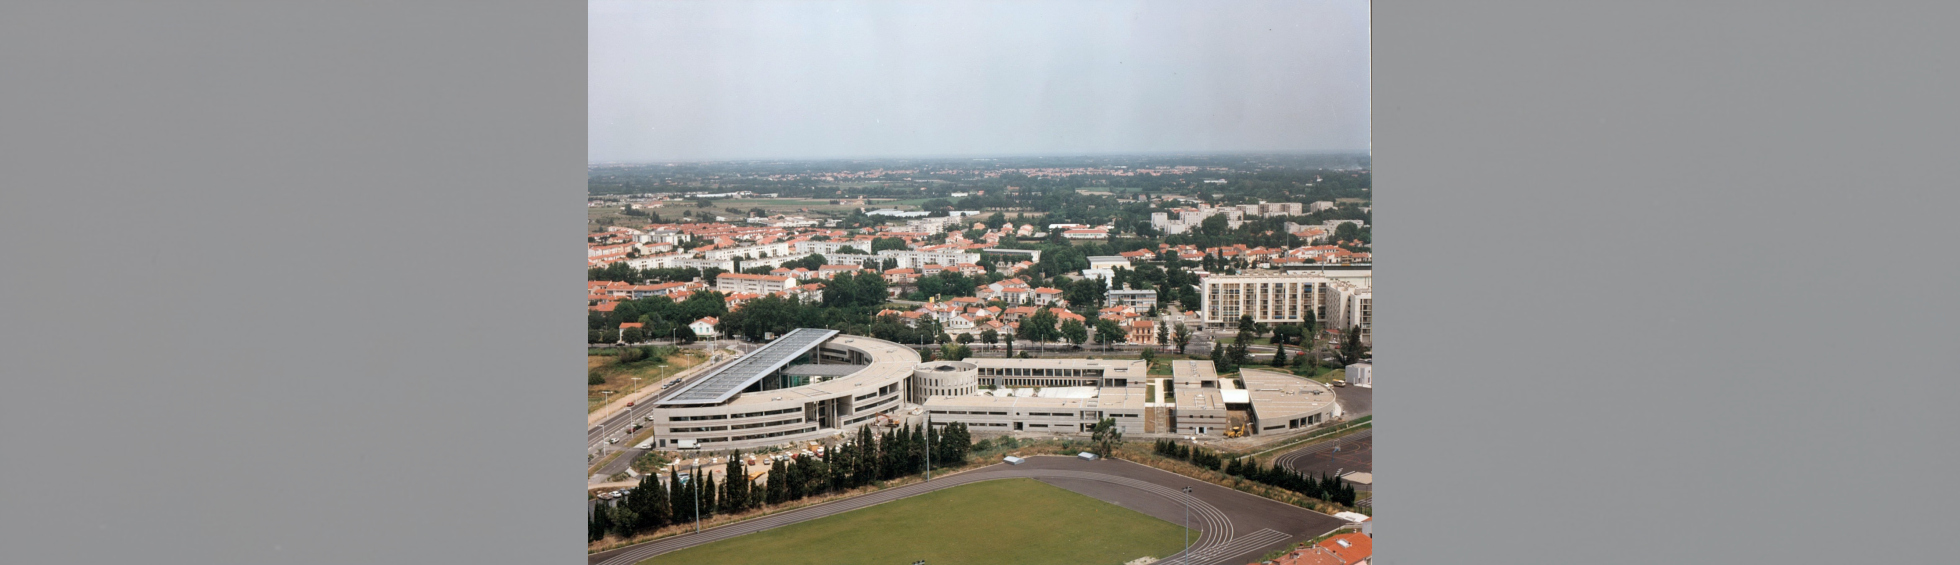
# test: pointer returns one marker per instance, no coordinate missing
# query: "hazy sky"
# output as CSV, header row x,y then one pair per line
x,y
674,80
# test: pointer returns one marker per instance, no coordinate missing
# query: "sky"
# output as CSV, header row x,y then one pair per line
x,y
699,81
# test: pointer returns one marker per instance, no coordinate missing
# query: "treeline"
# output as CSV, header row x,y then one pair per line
x,y
868,459
664,318
1321,486
621,272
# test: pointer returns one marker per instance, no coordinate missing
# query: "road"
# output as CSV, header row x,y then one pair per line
x,y
596,436
1355,401
1352,452
1236,527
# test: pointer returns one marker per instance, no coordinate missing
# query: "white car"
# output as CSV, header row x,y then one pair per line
x,y
613,440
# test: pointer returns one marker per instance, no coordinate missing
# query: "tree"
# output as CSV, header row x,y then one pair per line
x,y
1182,336
599,523
594,378
1038,327
1108,331
633,335
708,492
1074,332
965,338
1008,338
1351,350
1104,436
884,243
734,488
1163,335
1248,326
997,220
989,336
1279,354
778,485
1147,355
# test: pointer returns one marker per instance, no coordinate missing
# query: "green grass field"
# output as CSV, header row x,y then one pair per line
x,y
1005,521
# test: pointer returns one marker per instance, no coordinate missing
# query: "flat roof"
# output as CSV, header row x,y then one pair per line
x,y
1192,373
1200,398
730,379
825,370
1111,367
1279,396
1009,402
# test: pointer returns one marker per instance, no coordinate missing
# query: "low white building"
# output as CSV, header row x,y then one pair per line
x,y
705,327
1361,374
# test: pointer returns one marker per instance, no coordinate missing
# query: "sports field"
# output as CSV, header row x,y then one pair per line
x,y
1005,521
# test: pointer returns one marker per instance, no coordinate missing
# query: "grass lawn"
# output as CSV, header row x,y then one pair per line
x,y
1020,521
619,378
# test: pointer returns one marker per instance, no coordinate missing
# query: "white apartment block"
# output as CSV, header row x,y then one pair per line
x,y
1187,218
1351,305
1277,297
750,252
914,259
730,283
933,224
682,260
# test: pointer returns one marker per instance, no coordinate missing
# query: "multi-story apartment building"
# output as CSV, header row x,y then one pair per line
x,y
1350,306
729,283
1274,297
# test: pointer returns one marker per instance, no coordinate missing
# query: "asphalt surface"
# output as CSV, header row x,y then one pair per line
x,y
1235,527
1353,452
1355,401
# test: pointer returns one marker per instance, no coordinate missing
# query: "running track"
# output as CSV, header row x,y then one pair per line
x,y
1234,527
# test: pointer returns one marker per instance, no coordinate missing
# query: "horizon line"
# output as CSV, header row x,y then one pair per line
x,y
979,156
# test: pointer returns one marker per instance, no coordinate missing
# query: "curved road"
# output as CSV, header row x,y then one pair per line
x,y
1254,525
1355,455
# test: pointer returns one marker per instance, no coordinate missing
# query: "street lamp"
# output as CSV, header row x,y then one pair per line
x,y
928,446
1187,525
695,485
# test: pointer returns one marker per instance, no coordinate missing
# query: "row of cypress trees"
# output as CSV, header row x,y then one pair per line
x,y
867,459
1321,486
1196,455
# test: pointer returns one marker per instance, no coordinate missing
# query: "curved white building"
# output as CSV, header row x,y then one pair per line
x,y
753,401
944,378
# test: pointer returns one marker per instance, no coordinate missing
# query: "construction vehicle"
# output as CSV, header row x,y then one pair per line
x,y
1236,431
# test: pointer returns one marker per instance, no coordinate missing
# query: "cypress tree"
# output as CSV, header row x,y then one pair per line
x,y
708,493
674,492
600,522
777,479
794,485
